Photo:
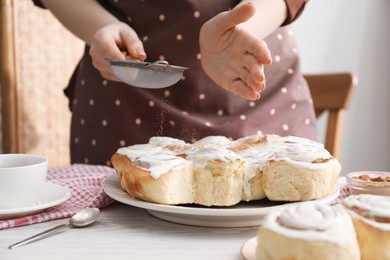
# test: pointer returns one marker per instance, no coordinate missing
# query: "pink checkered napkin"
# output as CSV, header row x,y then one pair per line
x,y
344,190
85,183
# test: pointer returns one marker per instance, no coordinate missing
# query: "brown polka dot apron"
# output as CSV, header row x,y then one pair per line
x,y
107,115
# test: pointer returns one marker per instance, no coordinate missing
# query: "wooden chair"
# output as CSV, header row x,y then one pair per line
x,y
332,93
37,57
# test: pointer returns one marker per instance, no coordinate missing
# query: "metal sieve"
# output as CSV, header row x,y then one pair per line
x,y
152,75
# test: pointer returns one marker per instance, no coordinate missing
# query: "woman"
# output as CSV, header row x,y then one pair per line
x,y
227,45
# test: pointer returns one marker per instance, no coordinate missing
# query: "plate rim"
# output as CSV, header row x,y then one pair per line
x,y
229,212
63,192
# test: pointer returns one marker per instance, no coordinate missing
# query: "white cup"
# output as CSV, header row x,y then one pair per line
x,y
22,177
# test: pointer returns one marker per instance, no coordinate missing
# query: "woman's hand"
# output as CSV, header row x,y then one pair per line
x,y
233,57
102,31
117,41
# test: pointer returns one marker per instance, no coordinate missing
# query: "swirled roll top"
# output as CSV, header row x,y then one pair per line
x,y
308,231
371,218
372,209
309,217
312,222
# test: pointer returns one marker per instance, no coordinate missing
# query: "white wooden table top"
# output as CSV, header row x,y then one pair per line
x,y
126,232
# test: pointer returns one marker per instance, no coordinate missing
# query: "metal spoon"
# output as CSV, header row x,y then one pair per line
x,y
81,219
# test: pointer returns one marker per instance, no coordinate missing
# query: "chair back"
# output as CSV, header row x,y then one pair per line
x,y
332,93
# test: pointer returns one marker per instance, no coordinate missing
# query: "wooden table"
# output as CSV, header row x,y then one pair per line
x,y
126,232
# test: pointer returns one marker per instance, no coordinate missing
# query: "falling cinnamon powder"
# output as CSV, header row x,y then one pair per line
x,y
187,131
161,119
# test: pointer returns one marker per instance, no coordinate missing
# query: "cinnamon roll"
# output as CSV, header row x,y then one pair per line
x,y
308,231
250,149
371,218
218,176
298,169
153,174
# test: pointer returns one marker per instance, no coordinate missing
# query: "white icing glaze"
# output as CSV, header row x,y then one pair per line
x,y
159,163
298,149
213,141
250,172
255,150
300,152
372,205
152,158
308,221
251,139
201,156
251,155
166,141
138,150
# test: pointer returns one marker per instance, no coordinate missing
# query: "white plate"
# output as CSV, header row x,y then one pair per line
x,y
248,249
244,214
52,195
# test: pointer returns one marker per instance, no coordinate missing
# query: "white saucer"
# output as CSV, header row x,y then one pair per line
x,y
248,249
52,195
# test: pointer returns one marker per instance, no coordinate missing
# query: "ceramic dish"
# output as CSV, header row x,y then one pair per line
x,y
243,214
51,195
369,182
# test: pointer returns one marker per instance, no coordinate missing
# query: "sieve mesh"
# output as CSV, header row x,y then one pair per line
x,y
154,75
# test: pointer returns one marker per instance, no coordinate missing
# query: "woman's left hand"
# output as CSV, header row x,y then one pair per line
x,y
233,57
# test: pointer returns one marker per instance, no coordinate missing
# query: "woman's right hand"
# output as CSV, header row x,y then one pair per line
x,y
233,57
117,41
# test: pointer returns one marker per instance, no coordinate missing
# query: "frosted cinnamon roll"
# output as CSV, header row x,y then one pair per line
x,y
154,174
287,168
308,231
250,149
297,169
218,175
371,218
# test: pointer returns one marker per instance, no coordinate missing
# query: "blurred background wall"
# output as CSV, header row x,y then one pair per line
x,y
339,35
37,58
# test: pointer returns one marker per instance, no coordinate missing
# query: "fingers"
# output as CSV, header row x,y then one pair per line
x,y
110,42
255,68
104,46
227,20
238,87
245,43
240,81
257,73
249,71
247,78
98,59
258,48
133,45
